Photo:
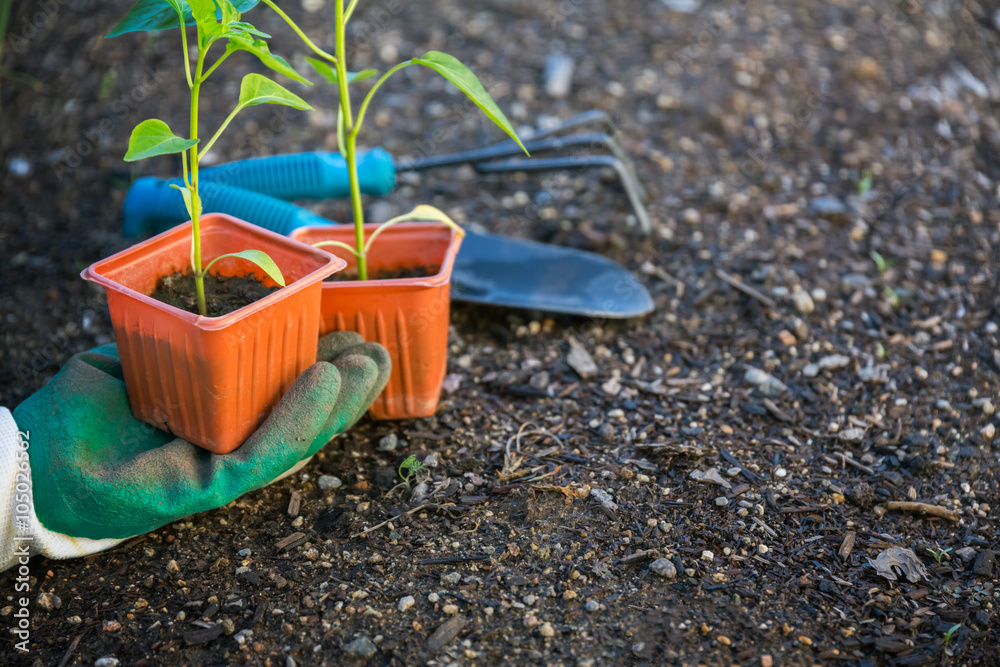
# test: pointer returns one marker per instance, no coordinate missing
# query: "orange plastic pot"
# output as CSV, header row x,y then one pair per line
x,y
213,380
407,316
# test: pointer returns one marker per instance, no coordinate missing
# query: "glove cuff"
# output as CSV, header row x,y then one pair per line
x,y
21,534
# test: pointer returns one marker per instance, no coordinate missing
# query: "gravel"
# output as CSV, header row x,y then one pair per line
x,y
664,568
362,647
327,482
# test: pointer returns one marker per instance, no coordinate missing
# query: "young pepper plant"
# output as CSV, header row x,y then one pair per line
x,y
333,67
214,21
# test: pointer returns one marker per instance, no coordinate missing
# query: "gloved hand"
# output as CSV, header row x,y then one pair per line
x,y
99,476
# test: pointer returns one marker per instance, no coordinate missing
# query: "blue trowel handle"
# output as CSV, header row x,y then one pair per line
x,y
151,205
318,175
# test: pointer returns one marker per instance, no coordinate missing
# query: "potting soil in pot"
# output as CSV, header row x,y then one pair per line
x,y
387,274
223,294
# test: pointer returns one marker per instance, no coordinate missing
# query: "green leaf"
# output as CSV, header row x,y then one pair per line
x,y
423,213
243,26
258,257
152,15
187,195
162,15
452,69
329,72
258,47
204,12
257,89
154,137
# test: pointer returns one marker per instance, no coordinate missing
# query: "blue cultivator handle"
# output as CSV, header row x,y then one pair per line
x,y
316,175
151,205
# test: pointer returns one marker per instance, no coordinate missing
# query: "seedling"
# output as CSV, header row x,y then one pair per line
x,y
938,555
880,263
951,631
409,468
214,21
333,67
865,184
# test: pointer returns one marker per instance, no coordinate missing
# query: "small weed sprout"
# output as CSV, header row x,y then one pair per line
x,y
880,262
865,184
938,555
950,632
409,468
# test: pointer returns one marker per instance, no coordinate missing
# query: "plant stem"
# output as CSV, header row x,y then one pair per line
x,y
298,31
359,221
363,109
199,275
217,63
350,145
187,57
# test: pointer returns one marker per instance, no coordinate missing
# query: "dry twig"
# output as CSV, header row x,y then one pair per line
x,y
922,508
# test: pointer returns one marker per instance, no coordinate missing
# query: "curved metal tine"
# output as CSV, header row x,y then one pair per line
x,y
629,183
600,139
592,117
597,117
508,148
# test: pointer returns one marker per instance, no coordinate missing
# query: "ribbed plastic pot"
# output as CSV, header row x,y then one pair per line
x,y
407,316
213,380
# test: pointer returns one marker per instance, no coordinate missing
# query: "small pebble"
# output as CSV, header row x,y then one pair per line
x,y
781,473
326,482
406,602
594,605
762,549
767,384
388,443
707,556
433,597
691,216
803,302
48,601
966,554
559,74
242,636
451,579
172,567
106,661
547,630
19,166
722,501
450,609
661,567
362,647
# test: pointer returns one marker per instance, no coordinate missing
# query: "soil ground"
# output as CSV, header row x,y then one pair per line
x,y
823,381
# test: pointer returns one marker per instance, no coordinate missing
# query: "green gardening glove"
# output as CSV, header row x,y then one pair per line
x,y
98,475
